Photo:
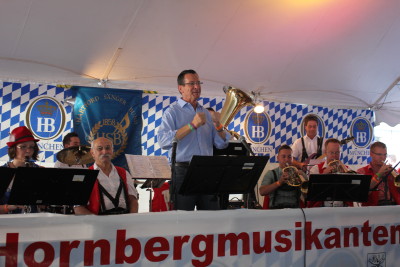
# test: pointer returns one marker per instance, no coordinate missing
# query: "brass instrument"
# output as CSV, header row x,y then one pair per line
x,y
235,100
338,167
296,179
76,155
396,178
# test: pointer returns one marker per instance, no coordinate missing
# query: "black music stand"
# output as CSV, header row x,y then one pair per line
x,y
338,187
208,175
52,186
6,175
151,183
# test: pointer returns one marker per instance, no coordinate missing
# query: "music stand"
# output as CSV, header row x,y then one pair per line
x,y
208,175
52,186
6,175
338,187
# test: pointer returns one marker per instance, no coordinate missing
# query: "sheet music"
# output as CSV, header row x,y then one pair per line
x,y
148,166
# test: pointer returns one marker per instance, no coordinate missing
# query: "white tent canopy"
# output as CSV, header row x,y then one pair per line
x,y
334,53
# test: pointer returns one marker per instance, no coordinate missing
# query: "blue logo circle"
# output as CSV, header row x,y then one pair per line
x,y
46,118
257,127
361,129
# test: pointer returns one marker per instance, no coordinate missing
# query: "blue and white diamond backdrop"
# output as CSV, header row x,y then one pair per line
x,y
16,99
280,124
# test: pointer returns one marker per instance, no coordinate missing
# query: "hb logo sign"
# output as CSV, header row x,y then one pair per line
x,y
46,117
361,129
257,127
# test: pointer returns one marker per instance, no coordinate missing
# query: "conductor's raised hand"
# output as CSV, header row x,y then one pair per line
x,y
199,119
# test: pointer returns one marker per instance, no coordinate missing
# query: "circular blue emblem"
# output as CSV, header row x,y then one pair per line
x,y
257,127
361,129
321,126
46,117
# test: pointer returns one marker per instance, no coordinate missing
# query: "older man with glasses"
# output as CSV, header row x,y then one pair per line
x,y
332,151
195,131
383,191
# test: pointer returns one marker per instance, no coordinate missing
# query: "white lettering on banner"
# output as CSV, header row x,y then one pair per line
x,y
50,146
358,152
257,131
47,123
129,250
262,149
361,137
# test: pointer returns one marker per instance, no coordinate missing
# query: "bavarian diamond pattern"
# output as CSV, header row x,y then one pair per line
x,y
285,119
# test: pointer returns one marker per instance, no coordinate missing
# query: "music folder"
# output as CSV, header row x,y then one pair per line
x,y
52,186
338,187
6,175
210,175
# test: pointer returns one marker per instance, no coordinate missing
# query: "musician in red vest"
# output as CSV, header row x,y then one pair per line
x,y
113,192
332,151
379,170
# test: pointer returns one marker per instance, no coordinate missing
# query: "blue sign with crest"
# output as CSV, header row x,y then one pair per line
x,y
257,127
361,129
46,118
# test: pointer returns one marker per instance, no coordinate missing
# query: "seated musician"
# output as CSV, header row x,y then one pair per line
x,y
331,165
22,149
378,169
275,184
113,192
70,140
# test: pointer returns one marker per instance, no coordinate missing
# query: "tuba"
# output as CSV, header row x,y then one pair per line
x,y
235,100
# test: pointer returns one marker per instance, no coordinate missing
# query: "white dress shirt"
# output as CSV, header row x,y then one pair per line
x,y
111,184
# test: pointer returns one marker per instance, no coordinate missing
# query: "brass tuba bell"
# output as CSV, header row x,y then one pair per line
x,y
235,100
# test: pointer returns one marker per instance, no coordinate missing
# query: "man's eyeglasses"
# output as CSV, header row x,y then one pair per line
x,y
26,147
379,154
194,83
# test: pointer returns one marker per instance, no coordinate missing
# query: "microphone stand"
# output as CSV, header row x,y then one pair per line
x,y
246,145
172,190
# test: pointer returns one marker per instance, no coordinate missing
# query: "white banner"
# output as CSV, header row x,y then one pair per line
x,y
318,237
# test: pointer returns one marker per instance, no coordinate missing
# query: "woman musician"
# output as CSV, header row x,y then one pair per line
x,y
22,149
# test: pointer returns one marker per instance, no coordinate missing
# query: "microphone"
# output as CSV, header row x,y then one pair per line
x,y
173,153
28,162
246,145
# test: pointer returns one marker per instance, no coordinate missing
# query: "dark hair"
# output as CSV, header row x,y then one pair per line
x,y
181,76
210,109
378,144
331,140
68,137
12,152
282,147
310,117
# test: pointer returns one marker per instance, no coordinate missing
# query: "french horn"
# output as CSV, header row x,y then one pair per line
x,y
338,167
296,179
